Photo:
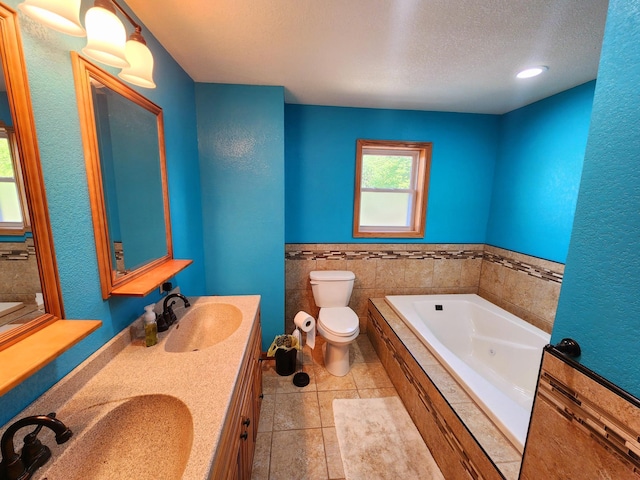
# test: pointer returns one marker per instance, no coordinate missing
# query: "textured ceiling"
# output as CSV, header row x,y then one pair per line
x,y
442,55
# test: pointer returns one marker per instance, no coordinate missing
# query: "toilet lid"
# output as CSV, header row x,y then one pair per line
x,y
341,321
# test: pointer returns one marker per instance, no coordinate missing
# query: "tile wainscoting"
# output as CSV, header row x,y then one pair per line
x,y
19,277
582,426
526,286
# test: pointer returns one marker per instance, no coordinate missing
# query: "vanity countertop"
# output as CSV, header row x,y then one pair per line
x,y
203,380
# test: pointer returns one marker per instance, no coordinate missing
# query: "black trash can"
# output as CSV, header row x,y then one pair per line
x,y
286,361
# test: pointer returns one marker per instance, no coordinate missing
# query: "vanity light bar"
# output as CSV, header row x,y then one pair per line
x,y
106,35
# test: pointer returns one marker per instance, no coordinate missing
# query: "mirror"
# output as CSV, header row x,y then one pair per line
x,y
123,142
29,285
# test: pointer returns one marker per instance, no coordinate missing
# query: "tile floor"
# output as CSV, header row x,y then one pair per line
x,y
296,435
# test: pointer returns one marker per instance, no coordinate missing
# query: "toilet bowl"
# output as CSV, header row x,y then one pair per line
x,y
339,327
337,324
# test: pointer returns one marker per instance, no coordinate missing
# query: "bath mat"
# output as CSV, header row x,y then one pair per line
x,y
378,440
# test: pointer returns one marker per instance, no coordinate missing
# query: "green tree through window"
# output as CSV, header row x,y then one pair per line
x,y
386,171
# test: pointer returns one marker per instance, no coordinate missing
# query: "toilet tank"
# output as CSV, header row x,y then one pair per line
x,y
331,288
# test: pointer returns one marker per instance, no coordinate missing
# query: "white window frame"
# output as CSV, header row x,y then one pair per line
x,y
15,228
418,189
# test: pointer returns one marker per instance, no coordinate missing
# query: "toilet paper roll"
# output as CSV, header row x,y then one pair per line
x,y
307,324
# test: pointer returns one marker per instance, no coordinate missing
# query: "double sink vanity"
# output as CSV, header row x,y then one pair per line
x,y
186,408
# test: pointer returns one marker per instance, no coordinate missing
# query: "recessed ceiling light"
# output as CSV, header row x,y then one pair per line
x,y
532,72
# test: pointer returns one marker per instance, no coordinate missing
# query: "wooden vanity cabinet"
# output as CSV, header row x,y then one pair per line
x,y
237,442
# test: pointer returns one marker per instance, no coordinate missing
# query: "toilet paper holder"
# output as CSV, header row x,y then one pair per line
x,y
301,379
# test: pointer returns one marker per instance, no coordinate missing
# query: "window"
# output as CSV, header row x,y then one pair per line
x,y
13,210
392,180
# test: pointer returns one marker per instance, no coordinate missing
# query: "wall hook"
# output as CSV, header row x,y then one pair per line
x,y
569,347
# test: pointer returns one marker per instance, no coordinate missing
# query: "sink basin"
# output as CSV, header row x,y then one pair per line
x,y
145,437
204,326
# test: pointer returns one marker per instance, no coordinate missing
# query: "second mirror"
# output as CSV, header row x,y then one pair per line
x,y
123,141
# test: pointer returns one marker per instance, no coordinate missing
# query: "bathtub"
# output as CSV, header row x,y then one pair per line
x,y
494,355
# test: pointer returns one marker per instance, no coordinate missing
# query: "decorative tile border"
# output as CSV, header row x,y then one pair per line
x,y
534,271
608,431
383,254
435,254
17,250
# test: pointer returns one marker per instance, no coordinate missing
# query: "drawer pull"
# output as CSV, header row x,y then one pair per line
x,y
246,422
244,435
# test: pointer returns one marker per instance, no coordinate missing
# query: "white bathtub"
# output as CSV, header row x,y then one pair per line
x,y
493,354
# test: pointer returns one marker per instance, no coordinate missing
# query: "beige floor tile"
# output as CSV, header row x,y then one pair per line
x,y
362,351
370,375
285,384
296,410
266,413
269,377
377,392
261,457
298,455
307,355
325,400
326,381
332,452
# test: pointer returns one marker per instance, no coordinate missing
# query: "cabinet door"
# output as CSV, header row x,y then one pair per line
x,y
247,437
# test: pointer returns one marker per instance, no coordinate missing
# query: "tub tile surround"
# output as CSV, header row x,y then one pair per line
x,y
124,369
526,286
19,276
581,427
461,438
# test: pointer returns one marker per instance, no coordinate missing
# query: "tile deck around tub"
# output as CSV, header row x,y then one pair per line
x,y
493,442
296,435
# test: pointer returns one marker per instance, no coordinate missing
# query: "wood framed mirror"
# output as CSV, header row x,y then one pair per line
x,y
123,140
24,321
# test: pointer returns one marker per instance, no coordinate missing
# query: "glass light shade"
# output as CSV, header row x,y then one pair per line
x,y
106,38
140,72
61,15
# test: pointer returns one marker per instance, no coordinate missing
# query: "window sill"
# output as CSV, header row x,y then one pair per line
x,y
23,359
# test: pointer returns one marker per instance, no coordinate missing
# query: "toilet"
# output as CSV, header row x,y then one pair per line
x,y
337,323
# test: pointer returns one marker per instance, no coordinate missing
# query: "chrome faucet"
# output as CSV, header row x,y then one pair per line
x,y
168,316
34,454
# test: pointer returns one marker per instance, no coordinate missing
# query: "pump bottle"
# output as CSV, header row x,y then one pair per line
x,y
150,326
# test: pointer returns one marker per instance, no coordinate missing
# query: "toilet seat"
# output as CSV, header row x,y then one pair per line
x,y
339,321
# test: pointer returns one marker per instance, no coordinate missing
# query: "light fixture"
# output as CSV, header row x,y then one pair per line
x,y
106,36
138,66
61,15
140,71
532,72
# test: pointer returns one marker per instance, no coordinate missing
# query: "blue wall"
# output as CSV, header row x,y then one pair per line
x,y
241,144
600,302
320,156
538,174
58,129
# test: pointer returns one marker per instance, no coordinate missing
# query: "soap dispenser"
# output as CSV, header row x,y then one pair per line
x,y
150,326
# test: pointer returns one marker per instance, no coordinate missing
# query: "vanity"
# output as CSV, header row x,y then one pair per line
x,y
186,408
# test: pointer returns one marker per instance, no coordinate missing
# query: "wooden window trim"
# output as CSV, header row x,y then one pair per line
x,y
422,186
